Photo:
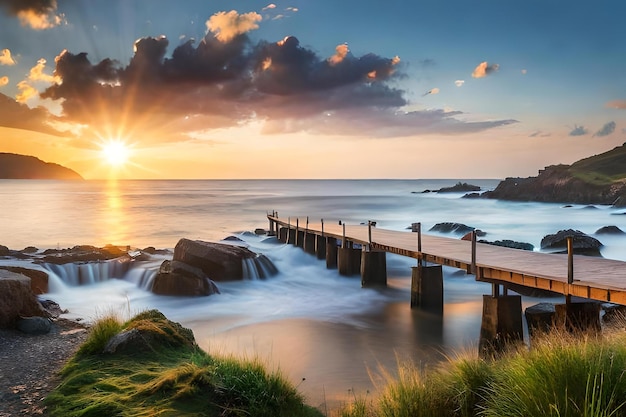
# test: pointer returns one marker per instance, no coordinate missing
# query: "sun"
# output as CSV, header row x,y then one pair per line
x,y
115,152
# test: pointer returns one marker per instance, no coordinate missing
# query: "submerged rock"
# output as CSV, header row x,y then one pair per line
x,y
507,243
82,253
582,244
609,230
447,227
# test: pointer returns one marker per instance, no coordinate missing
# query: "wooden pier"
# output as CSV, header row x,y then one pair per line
x,y
592,278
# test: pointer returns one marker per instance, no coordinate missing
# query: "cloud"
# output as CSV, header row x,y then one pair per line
x,y
38,14
459,83
578,131
4,81
229,80
35,75
483,69
20,116
375,123
539,134
616,104
524,71
269,6
227,25
292,9
606,130
341,51
431,91
6,58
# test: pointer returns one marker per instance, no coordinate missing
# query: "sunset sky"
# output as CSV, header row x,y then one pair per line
x,y
311,89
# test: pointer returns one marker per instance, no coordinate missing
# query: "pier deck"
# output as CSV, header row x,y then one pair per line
x,y
594,278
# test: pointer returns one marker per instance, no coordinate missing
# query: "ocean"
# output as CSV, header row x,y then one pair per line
x,y
323,331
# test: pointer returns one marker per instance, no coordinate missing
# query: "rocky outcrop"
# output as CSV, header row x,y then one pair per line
x,y
82,253
459,187
219,261
595,180
16,299
582,244
179,278
447,227
14,166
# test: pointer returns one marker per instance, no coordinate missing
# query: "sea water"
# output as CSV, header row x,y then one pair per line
x,y
323,331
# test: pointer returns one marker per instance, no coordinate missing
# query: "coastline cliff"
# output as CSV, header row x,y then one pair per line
x,y
15,166
599,179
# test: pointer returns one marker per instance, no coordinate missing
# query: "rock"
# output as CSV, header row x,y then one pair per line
x,y
219,261
510,244
459,187
447,227
4,251
179,278
468,235
16,299
147,332
582,243
38,279
614,314
472,195
52,308
540,317
260,232
82,253
609,230
34,325
30,249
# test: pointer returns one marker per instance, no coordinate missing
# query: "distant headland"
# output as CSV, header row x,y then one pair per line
x,y
14,166
599,179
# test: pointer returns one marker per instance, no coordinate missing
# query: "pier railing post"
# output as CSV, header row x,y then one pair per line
x,y
369,234
289,229
419,244
570,267
473,267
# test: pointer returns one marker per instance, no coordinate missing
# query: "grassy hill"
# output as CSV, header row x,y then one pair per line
x,y
598,179
14,166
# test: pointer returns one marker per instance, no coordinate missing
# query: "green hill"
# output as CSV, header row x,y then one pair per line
x,y
598,179
14,166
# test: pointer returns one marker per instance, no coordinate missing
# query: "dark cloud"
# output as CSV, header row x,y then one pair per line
x,y
373,122
38,14
539,134
223,82
606,130
578,131
20,116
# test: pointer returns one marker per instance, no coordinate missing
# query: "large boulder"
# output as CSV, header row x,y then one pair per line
x,y
179,278
38,279
16,299
582,244
219,261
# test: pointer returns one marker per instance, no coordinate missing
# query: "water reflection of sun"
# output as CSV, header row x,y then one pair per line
x,y
116,227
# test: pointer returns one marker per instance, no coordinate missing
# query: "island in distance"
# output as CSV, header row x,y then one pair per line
x,y
14,166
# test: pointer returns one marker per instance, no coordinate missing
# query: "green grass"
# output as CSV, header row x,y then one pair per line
x,y
563,375
173,377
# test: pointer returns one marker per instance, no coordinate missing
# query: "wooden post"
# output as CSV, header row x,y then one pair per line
x,y
369,234
427,288
343,239
331,252
297,242
570,267
473,270
419,244
289,229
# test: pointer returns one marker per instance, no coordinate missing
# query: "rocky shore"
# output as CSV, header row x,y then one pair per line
x,y
30,364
